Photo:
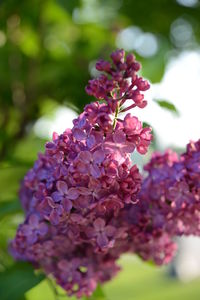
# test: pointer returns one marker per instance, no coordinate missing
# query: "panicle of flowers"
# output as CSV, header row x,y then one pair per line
x,y
78,191
86,204
169,204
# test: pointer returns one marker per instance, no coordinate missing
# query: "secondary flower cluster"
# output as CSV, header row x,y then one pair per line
x,y
76,194
169,204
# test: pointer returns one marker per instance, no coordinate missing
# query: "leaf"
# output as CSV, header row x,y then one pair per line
x,y
97,295
10,177
167,105
9,207
145,124
17,280
153,68
69,5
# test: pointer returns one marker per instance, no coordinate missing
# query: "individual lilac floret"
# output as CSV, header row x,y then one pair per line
x,y
102,233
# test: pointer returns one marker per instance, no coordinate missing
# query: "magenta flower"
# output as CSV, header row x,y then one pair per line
x,y
34,229
52,211
118,146
101,232
88,162
132,125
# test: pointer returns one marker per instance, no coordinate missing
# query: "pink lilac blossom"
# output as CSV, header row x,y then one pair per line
x,y
77,192
83,202
169,204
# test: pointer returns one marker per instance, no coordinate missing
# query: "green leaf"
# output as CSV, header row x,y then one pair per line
x,y
69,5
17,280
145,124
153,68
9,207
167,105
97,295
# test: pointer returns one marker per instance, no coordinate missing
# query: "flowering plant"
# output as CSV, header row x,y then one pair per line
x,y
86,204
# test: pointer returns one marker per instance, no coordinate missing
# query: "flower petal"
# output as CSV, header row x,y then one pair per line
x,y
72,193
110,230
54,217
99,224
67,204
79,134
119,137
62,187
102,240
99,156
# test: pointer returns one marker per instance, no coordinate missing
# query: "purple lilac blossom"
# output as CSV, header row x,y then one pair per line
x,y
169,204
77,192
83,201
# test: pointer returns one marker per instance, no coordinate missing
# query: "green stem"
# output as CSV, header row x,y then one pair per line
x,y
54,290
115,118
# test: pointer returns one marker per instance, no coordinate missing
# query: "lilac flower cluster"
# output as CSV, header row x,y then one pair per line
x,y
169,204
77,193
86,204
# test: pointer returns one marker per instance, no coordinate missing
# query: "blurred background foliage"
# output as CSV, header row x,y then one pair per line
x,y
48,49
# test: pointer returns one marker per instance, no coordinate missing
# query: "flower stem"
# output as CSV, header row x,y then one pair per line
x,y
116,115
54,290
